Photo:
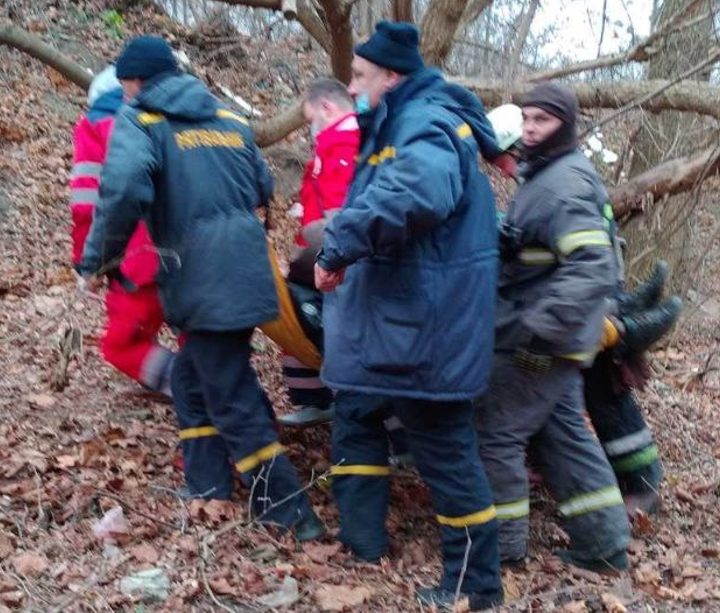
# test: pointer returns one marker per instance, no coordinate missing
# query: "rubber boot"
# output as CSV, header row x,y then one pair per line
x,y
647,327
646,294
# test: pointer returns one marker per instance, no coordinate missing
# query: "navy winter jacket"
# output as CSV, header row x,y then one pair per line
x,y
414,316
191,169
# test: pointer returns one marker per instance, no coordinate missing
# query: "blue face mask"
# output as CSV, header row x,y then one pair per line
x,y
362,103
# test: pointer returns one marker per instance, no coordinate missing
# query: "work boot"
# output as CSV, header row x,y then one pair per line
x,y
309,528
646,502
444,600
612,564
646,294
645,328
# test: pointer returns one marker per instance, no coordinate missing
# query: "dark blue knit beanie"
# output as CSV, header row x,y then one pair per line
x,y
393,45
144,57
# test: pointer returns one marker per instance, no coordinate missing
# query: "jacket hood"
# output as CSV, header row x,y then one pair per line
x,y
177,95
106,105
466,105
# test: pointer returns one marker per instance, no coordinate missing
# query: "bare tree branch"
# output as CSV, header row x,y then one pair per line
x,y
272,130
439,25
519,42
641,52
666,179
688,96
34,46
473,10
714,56
306,16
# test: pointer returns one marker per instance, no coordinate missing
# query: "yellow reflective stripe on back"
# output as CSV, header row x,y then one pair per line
x,y
480,517
463,130
367,470
149,118
513,510
226,114
608,212
592,501
586,238
536,256
261,455
188,433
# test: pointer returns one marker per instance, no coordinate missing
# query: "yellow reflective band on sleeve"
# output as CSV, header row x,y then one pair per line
x,y
480,517
366,470
608,211
536,256
188,433
592,501
580,356
464,130
262,455
149,118
226,114
513,510
586,238
386,153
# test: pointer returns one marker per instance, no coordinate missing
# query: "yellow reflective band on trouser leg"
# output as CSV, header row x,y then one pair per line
x,y
585,238
365,470
479,517
261,455
199,432
513,510
591,501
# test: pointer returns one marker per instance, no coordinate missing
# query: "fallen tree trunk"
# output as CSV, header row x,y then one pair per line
x,y
666,179
687,96
33,45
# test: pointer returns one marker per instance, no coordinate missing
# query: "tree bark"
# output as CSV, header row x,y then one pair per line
x,y
669,135
667,179
439,25
687,96
402,10
272,130
337,16
34,46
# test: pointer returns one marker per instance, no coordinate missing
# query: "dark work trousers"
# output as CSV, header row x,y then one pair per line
x,y
443,442
226,421
548,407
621,428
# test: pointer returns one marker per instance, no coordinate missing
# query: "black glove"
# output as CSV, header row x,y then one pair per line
x,y
530,361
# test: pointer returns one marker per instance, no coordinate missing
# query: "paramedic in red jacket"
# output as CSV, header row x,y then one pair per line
x,y
330,111
134,314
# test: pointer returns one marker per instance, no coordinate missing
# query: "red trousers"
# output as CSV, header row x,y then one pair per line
x,y
129,342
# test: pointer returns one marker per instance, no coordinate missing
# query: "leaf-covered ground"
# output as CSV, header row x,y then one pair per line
x,y
77,439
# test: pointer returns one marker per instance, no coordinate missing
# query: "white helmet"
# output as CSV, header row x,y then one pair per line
x,y
506,121
104,82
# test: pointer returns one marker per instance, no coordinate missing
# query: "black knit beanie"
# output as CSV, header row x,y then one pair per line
x,y
393,45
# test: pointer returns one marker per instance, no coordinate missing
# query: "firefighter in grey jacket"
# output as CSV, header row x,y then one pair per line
x,y
559,270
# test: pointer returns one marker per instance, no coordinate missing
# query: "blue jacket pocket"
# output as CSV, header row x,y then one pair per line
x,y
398,337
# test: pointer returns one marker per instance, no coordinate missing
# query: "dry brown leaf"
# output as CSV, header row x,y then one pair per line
x,y
220,585
41,401
6,547
12,599
212,511
647,573
145,553
341,597
576,606
29,564
320,553
612,603
67,461
511,587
